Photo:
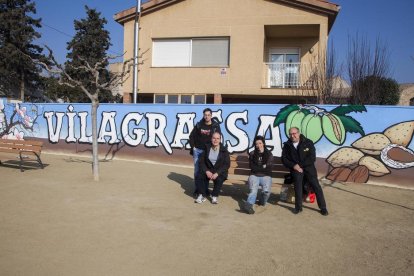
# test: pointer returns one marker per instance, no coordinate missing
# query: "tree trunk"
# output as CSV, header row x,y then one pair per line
x,y
95,159
22,88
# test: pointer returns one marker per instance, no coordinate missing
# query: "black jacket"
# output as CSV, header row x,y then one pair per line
x,y
222,164
261,163
304,155
201,133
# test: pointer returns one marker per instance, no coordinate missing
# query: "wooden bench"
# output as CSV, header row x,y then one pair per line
x,y
24,148
240,170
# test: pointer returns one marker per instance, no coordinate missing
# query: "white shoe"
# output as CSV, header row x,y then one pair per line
x,y
200,199
214,200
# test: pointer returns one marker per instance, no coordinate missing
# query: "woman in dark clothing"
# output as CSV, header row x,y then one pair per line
x,y
214,165
260,161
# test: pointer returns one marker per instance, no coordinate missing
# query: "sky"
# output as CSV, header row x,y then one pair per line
x,y
390,20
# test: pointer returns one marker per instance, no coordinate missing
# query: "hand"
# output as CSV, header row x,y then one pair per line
x,y
209,174
298,168
214,176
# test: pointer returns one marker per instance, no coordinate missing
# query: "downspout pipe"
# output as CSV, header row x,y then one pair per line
x,y
136,49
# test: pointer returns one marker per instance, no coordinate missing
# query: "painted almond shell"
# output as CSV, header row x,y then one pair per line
x,y
400,134
397,157
375,167
372,143
345,157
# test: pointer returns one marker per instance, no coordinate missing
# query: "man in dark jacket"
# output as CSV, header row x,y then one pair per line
x,y
260,162
201,135
214,165
299,156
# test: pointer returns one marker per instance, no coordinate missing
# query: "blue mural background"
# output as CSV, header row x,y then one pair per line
x,y
33,122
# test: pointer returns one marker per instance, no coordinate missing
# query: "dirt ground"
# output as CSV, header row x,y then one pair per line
x,y
140,219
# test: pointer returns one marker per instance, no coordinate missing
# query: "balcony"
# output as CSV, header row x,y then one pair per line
x,y
287,74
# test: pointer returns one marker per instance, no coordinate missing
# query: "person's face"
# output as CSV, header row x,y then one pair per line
x,y
207,116
294,135
215,139
259,145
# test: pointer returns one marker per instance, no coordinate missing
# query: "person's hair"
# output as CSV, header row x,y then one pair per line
x,y
259,137
207,109
215,133
297,129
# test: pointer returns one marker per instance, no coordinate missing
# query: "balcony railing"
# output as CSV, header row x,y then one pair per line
x,y
286,74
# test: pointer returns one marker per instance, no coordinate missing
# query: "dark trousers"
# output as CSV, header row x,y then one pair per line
x,y
313,182
203,182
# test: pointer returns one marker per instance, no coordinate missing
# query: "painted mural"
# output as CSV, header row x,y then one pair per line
x,y
356,142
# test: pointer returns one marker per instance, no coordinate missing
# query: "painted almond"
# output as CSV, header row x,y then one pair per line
x,y
401,134
359,175
375,167
398,157
372,143
345,157
339,174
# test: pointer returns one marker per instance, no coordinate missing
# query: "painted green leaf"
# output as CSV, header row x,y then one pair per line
x,y
283,113
351,125
345,109
306,111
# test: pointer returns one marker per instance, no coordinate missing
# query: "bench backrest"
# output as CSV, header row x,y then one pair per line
x,y
12,146
239,165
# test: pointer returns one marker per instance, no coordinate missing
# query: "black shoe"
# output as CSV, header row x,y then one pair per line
x,y
324,212
297,211
248,208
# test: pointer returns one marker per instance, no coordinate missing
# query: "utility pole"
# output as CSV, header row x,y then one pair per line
x,y
136,49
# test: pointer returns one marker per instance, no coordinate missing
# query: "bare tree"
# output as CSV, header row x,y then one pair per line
x,y
365,61
114,81
320,78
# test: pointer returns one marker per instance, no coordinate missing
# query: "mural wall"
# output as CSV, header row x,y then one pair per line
x,y
356,143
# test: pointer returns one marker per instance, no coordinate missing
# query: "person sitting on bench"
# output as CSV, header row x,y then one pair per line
x,y
260,161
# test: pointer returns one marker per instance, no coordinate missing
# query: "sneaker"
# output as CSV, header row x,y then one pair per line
x,y
324,212
248,208
214,200
200,199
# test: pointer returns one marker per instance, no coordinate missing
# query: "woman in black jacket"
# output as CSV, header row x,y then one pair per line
x,y
261,162
214,165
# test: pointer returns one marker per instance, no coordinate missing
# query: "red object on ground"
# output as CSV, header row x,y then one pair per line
x,y
312,197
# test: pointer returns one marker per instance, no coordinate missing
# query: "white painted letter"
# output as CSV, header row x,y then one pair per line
x,y
139,133
274,141
156,127
108,120
185,120
71,122
240,135
54,134
83,124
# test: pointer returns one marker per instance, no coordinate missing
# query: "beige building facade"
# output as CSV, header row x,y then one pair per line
x,y
232,51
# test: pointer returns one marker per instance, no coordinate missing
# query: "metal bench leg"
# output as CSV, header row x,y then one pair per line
x,y
21,161
38,160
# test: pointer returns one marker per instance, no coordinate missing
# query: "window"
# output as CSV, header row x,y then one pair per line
x,y
179,99
159,99
199,99
191,52
172,99
186,99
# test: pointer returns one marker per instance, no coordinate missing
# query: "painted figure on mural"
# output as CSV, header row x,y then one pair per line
x,y
298,154
214,163
260,162
200,136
